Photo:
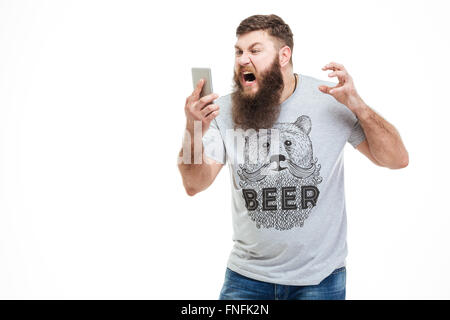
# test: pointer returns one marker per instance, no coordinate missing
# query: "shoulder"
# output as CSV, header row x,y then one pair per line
x,y
224,103
327,101
311,86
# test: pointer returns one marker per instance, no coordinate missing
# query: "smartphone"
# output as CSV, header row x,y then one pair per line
x,y
205,73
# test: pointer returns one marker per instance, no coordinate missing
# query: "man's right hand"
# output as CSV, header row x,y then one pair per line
x,y
200,109
198,177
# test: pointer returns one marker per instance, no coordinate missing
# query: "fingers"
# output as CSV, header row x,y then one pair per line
x,y
334,66
208,109
331,90
337,90
324,89
342,76
338,71
196,93
206,100
211,116
198,89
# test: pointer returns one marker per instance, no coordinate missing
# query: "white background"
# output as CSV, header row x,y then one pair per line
x,y
91,121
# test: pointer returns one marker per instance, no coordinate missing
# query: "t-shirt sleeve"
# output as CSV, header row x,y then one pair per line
x,y
357,134
213,145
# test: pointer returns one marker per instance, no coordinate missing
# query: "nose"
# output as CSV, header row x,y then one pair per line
x,y
243,59
277,158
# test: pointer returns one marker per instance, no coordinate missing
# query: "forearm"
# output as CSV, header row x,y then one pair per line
x,y
196,170
384,141
196,176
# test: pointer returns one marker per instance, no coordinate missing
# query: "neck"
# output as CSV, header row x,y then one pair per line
x,y
289,85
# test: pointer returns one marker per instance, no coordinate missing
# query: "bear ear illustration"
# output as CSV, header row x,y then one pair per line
x,y
304,123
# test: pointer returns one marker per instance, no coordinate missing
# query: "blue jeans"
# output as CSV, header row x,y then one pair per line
x,y
238,287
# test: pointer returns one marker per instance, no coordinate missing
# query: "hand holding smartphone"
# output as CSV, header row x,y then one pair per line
x,y
205,74
198,109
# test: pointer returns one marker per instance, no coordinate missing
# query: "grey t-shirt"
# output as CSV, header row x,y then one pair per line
x,y
288,203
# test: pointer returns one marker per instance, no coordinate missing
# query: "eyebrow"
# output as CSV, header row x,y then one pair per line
x,y
254,44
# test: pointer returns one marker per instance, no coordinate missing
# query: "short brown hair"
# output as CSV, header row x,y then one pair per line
x,y
273,24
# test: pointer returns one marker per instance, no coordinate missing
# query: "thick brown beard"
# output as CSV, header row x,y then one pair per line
x,y
261,110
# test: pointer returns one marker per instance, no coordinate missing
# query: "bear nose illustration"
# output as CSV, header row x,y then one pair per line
x,y
277,158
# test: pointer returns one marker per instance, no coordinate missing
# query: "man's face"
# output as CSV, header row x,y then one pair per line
x,y
255,53
258,82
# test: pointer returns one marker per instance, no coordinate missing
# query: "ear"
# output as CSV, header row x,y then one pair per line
x,y
304,123
285,54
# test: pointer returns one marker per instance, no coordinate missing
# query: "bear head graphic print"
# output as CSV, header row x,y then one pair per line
x,y
279,180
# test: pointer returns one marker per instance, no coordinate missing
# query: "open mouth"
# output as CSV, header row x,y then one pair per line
x,y
248,78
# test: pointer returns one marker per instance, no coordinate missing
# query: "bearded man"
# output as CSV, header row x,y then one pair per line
x,y
288,203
